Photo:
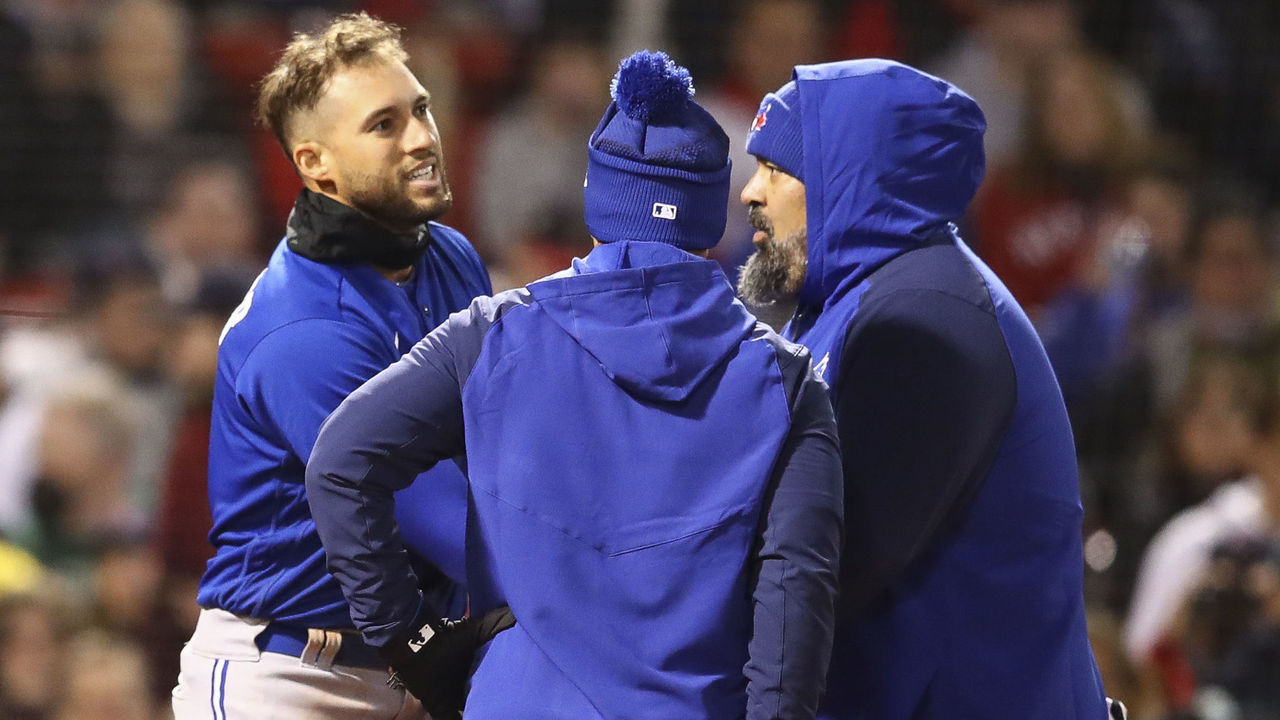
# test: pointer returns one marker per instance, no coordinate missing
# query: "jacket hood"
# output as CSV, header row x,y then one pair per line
x,y
657,319
892,157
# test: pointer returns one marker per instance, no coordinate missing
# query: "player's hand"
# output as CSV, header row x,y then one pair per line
x,y
436,670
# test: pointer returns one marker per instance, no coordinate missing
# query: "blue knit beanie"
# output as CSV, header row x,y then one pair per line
x,y
775,133
658,164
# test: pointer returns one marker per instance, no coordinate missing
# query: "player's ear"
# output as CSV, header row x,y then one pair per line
x,y
313,162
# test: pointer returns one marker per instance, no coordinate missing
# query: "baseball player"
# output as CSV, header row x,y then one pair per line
x,y
962,572
361,275
654,481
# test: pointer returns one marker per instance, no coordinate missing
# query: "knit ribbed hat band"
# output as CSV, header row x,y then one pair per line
x,y
629,200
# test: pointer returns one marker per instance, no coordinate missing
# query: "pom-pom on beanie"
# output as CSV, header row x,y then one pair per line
x,y
775,132
658,164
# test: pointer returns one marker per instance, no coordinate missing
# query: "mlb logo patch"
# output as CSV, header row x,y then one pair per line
x,y
417,642
664,211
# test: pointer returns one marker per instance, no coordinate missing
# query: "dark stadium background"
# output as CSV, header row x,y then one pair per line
x,y
1130,204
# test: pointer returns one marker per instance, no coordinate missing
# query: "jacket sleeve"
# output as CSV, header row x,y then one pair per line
x,y
926,393
795,568
400,423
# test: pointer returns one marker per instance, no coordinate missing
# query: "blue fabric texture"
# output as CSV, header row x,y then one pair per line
x,y
668,534
654,491
657,164
966,601
305,336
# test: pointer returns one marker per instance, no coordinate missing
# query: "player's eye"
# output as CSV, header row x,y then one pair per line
x,y
420,109
382,125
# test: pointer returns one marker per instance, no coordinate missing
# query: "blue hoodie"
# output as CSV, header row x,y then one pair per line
x,y
654,491
962,572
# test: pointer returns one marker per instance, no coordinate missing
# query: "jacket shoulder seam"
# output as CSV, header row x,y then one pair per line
x,y
895,293
273,331
513,300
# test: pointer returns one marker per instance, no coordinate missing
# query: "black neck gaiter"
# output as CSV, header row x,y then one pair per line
x,y
323,229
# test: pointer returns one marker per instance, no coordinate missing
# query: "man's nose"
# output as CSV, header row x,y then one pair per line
x,y
419,136
751,192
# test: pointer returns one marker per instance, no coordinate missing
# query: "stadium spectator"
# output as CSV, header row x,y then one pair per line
x,y
182,517
766,40
125,323
1251,666
994,58
33,631
105,677
1232,291
1042,218
1218,472
1133,279
206,225
528,181
52,133
81,496
157,94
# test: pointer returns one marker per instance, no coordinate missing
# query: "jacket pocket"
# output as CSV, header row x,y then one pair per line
x,y
658,531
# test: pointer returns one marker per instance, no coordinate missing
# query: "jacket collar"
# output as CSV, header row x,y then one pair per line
x,y
327,231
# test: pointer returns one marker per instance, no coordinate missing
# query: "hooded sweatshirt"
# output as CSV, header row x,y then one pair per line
x,y
962,572
654,491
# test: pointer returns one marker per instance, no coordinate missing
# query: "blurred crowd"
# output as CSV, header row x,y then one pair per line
x,y
1130,204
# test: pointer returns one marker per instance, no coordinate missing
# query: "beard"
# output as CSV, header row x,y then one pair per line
x,y
387,199
775,272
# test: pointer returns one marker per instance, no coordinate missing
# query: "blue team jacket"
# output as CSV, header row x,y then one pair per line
x,y
962,571
654,490
306,335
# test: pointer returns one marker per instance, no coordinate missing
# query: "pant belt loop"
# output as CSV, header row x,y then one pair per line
x,y
314,648
332,644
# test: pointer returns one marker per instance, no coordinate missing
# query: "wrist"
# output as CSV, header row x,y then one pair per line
x,y
415,635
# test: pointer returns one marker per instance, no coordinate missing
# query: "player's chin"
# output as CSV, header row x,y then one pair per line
x,y
434,205
428,192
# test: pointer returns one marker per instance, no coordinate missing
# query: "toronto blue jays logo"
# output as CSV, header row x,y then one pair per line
x,y
762,117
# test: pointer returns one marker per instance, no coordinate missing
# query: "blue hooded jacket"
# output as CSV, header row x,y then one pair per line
x,y
654,491
962,571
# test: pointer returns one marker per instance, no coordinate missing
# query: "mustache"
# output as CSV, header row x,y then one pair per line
x,y
757,219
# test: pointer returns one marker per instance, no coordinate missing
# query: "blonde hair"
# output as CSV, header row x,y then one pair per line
x,y
308,63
